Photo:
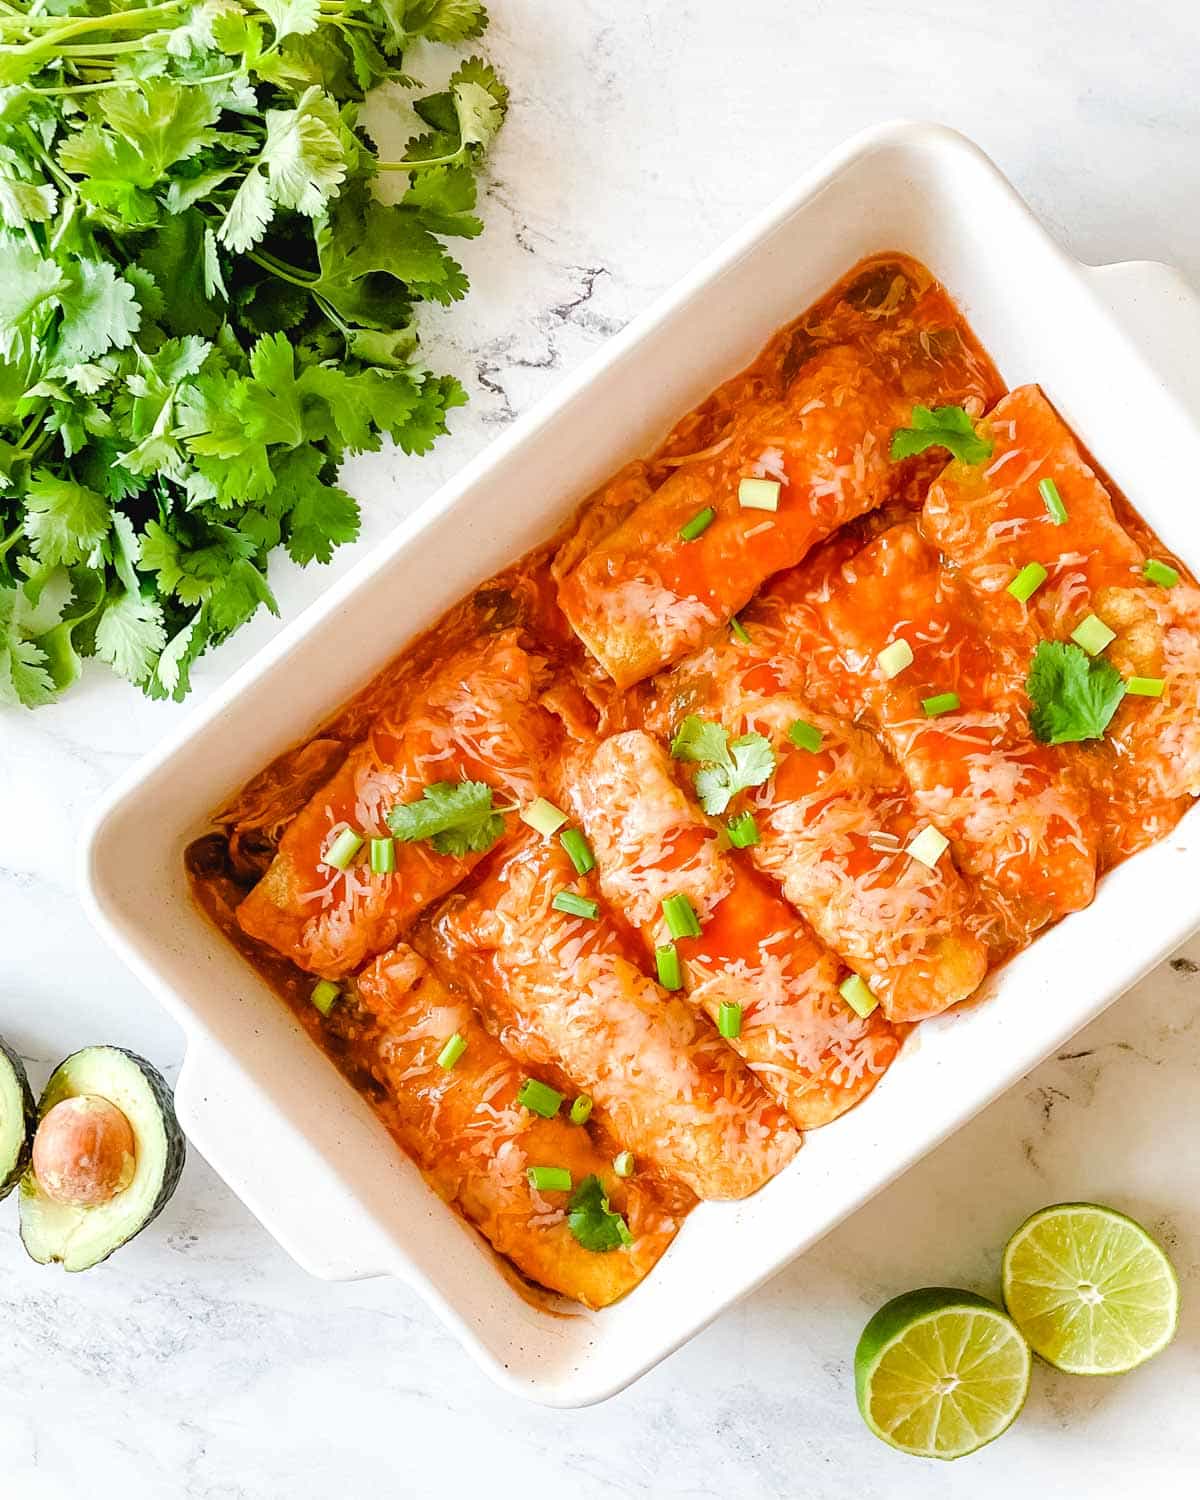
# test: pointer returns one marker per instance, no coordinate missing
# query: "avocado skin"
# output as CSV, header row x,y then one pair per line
x,y
164,1097
176,1144
17,1169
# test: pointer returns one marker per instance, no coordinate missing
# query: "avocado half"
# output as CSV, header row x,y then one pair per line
x,y
18,1119
82,1236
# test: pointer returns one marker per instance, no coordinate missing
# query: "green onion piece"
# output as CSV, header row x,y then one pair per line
x,y
1053,502
682,920
940,703
1093,635
623,1164
581,1109
1160,572
383,856
742,831
738,631
1145,687
698,525
624,1233
539,1097
928,846
452,1051
805,736
543,816
759,494
670,973
579,849
324,993
893,659
575,905
549,1179
729,1019
343,849
856,992
1028,581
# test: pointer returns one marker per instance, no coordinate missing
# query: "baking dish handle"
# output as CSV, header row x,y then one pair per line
x,y
229,1118
1160,313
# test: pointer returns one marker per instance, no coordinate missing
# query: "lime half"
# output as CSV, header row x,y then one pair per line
x,y
1090,1289
940,1372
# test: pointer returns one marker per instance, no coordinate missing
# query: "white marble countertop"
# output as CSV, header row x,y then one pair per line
x,y
200,1362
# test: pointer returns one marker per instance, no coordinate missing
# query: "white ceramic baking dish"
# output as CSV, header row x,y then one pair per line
x,y
1116,347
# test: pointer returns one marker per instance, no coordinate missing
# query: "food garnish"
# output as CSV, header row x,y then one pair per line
x,y
726,768
948,427
457,818
592,1221
1072,696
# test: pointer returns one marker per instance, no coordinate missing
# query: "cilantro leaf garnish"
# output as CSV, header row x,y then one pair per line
x,y
947,427
1073,696
725,768
455,817
206,306
592,1221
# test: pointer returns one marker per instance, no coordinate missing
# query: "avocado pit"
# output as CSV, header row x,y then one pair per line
x,y
84,1152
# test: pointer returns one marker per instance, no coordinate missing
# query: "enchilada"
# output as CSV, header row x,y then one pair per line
x,y
753,964
1039,505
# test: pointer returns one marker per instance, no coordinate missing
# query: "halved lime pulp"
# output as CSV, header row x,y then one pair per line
x,y
940,1372
1090,1289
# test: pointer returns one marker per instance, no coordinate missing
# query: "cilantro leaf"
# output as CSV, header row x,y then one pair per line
x,y
725,768
129,635
455,817
701,740
64,521
592,1222
947,427
100,312
1073,696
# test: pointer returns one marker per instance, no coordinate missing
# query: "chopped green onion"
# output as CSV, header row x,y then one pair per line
x,y
576,905
581,1109
738,631
729,1020
452,1051
670,974
928,846
742,831
856,992
1093,635
324,993
759,494
1053,502
623,1164
539,1098
542,816
383,856
624,1233
549,1179
579,849
941,703
1160,572
698,525
682,920
1028,581
343,849
893,659
1145,687
805,736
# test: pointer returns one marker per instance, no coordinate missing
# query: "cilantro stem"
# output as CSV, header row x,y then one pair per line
x,y
429,161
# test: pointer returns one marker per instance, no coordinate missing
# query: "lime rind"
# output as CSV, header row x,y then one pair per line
x,y
940,1372
1091,1290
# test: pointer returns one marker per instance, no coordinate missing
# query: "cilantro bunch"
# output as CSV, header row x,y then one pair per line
x,y
204,307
